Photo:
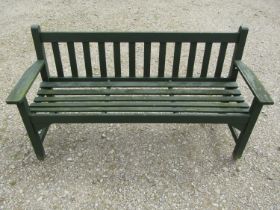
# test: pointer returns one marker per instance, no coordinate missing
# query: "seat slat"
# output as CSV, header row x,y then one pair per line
x,y
138,79
137,84
140,104
140,92
139,109
140,98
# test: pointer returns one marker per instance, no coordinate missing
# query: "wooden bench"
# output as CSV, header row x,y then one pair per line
x,y
192,98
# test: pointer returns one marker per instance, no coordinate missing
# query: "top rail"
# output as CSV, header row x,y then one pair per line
x,y
137,37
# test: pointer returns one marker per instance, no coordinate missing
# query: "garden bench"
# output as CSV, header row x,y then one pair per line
x,y
201,98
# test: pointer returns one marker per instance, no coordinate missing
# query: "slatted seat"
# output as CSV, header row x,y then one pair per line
x,y
178,97
90,95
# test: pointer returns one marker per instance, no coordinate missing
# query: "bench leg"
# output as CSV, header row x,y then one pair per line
x,y
246,132
33,134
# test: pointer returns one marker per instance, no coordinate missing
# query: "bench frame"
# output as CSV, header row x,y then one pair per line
x,y
37,124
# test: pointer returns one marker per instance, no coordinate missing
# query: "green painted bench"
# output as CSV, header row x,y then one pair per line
x,y
192,98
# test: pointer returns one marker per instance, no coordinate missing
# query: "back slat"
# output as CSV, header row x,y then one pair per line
x,y
72,57
131,59
102,59
221,58
87,59
147,59
117,59
191,59
206,58
57,59
176,60
161,59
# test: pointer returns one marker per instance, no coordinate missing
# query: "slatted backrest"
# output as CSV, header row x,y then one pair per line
x,y
116,38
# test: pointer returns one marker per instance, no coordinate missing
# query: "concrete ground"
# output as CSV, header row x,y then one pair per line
x,y
140,166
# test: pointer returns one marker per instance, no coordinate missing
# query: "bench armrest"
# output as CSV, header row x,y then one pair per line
x,y
254,83
23,85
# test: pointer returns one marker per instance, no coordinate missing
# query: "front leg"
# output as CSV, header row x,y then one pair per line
x,y
33,134
246,132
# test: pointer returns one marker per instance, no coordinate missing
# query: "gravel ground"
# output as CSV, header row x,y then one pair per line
x,y
140,166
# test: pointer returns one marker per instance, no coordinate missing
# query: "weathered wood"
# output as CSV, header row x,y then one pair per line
x,y
206,58
191,59
72,57
141,104
137,79
102,59
254,84
221,58
140,109
161,59
23,85
57,59
176,59
192,84
131,99
237,99
117,59
87,59
140,92
147,59
131,51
